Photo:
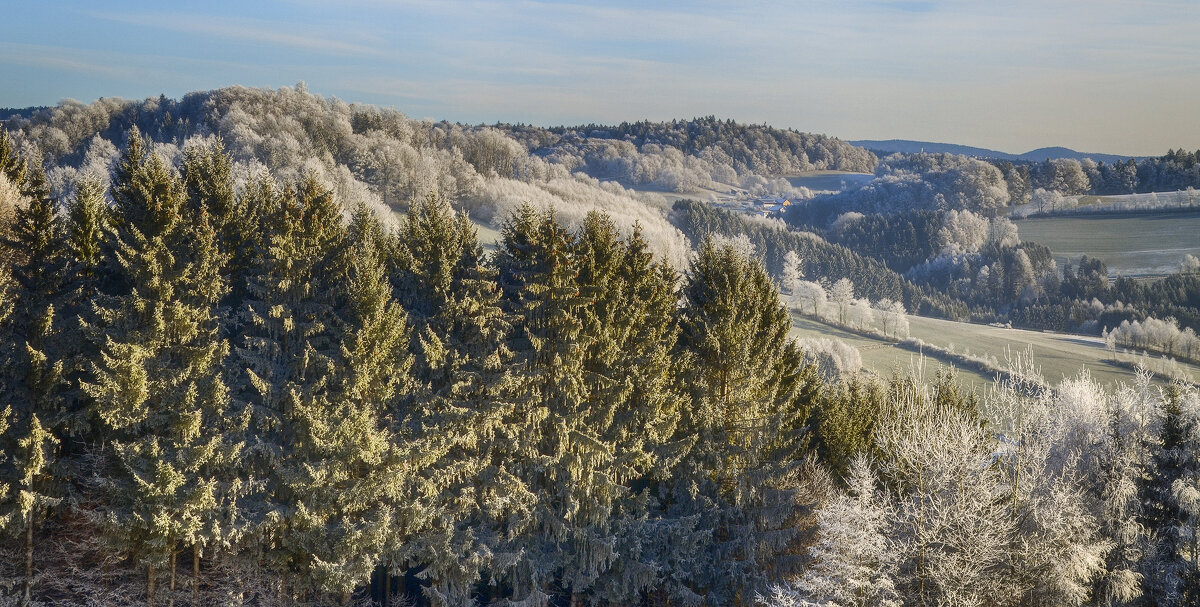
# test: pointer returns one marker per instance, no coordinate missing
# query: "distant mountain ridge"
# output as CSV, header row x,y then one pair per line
x,y
1038,155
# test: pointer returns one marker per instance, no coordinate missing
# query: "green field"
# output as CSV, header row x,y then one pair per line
x,y
1058,355
1131,245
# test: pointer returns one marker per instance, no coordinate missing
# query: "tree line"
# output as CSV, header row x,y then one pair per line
x,y
222,393
216,393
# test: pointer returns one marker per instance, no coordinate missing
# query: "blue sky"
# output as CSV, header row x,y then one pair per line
x,y
1095,75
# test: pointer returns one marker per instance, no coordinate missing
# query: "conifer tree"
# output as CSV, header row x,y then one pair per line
x,y
158,388
317,439
460,410
208,175
747,477
34,365
87,222
631,406
87,217
558,459
1172,564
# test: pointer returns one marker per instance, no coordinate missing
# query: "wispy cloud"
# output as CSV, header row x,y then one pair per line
x,y
251,30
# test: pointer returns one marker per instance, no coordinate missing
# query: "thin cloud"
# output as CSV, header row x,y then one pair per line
x,y
243,29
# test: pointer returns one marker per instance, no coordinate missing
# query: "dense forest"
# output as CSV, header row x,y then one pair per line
x,y
231,388
234,374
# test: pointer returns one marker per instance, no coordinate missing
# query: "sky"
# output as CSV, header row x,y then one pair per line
x,y
1101,76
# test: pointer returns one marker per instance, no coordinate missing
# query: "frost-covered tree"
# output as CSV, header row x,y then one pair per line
x,y
842,295
171,436
1172,563
1057,553
323,356
34,369
854,560
811,297
463,385
789,280
951,518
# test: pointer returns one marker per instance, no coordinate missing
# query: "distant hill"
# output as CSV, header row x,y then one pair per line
x,y
1038,155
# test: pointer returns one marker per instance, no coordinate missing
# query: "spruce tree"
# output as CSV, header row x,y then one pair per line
x,y
459,412
631,407
556,458
208,175
171,436
34,365
747,477
321,350
1172,564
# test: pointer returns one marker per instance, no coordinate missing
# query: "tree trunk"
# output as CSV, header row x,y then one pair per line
x,y
149,585
196,575
387,586
174,560
27,585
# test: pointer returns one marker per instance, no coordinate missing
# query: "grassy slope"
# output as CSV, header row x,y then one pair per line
x,y
1058,355
883,359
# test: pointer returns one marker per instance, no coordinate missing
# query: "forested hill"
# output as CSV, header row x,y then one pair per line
x,y
746,147
223,394
906,146
385,159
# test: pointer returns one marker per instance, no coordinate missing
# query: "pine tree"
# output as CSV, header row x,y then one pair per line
x,y
158,388
88,263
747,476
34,366
1171,566
558,457
631,405
208,176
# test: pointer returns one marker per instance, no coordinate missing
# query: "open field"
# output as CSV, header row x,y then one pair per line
x,y
1131,245
830,181
884,359
1057,355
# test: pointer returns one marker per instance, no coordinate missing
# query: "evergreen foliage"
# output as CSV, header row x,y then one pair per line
x,y
321,409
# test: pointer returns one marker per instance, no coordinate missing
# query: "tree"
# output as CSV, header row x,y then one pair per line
x,y
322,360
1172,564
811,296
33,369
841,294
792,273
937,459
561,461
631,406
460,409
158,388
746,476
854,560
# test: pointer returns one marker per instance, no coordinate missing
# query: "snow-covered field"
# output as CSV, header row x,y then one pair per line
x,y
1058,355
1150,243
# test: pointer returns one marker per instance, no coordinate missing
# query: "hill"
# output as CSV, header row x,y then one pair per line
x,y
910,147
